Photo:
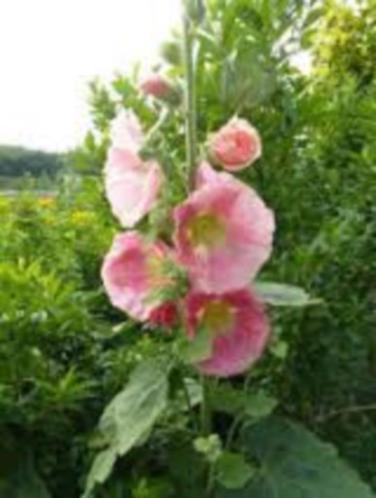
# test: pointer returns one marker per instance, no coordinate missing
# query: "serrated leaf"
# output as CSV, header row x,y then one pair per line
x,y
129,416
294,463
284,295
232,470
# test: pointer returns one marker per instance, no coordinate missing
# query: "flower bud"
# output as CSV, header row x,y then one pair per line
x,y
157,86
235,146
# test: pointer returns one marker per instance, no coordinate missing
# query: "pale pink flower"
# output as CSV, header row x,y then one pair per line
x,y
238,327
132,271
156,85
223,234
236,145
132,186
126,132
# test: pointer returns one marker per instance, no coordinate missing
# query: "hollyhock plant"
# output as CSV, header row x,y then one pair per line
x,y
236,145
132,271
132,185
237,324
197,281
223,234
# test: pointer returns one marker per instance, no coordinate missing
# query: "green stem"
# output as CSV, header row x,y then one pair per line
x,y
190,102
205,408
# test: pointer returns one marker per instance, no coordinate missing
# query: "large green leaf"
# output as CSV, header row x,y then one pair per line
x,y
129,416
293,463
283,294
22,481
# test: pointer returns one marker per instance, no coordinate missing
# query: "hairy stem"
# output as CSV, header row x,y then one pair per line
x,y
190,101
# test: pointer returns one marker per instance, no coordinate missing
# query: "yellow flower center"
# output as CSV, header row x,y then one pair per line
x,y
207,230
218,317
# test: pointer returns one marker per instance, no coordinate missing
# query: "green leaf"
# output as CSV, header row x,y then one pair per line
x,y
284,295
199,349
233,472
227,399
259,405
23,481
129,416
294,463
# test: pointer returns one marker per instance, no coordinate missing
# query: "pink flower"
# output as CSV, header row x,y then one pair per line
x,y
156,86
236,145
132,271
237,324
126,132
132,185
223,233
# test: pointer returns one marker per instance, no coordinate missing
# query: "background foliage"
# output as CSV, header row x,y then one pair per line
x,y
18,161
63,354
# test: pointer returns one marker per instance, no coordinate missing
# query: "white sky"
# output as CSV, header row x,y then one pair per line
x,y
50,49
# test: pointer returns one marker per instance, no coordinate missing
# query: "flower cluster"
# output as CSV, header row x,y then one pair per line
x,y
222,236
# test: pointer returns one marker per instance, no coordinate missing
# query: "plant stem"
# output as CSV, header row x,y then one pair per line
x,y
205,408
190,101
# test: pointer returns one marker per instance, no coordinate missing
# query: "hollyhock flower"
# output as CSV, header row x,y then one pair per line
x,y
237,324
157,86
132,271
132,185
126,132
223,234
236,145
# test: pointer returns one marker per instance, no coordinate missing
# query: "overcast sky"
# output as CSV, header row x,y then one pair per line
x,y
50,49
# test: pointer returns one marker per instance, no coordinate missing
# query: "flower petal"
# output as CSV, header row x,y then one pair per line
x,y
132,186
126,132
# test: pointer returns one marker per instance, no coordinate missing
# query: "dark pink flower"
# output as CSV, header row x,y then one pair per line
x,y
237,324
166,315
132,271
236,145
224,233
